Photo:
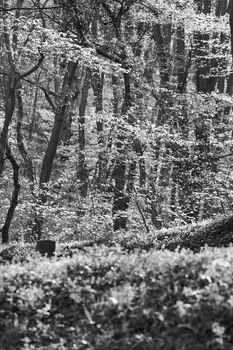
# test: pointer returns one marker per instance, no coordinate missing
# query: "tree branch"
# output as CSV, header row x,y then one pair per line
x,y
40,61
223,156
2,9
45,91
140,211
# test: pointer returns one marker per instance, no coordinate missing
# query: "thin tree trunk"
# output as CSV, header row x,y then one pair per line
x,y
27,160
180,58
116,96
120,200
230,10
221,8
82,173
121,197
34,105
97,85
15,195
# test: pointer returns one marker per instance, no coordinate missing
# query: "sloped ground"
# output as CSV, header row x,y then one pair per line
x,y
214,233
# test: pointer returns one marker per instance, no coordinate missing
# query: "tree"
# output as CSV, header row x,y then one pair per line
x,y
124,103
12,83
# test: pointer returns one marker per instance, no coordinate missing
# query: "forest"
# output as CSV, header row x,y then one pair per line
x,y
116,142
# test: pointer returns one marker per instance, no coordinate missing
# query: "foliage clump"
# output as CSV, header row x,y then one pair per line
x,y
16,252
214,233
107,299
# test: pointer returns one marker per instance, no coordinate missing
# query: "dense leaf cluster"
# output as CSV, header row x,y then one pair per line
x,y
107,299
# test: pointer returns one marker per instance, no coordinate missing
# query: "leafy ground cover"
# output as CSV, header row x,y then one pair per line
x,y
168,290
217,233
105,298
214,233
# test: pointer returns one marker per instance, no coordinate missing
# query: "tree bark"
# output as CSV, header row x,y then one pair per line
x,y
230,10
27,160
10,87
15,195
180,58
97,85
116,89
51,150
59,117
82,173
162,37
204,82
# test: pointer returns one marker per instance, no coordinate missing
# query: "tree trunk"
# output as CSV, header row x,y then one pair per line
x,y
180,59
10,87
230,10
221,8
82,174
204,82
15,195
51,150
27,160
33,111
121,197
97,85
60,113
117,94
162,37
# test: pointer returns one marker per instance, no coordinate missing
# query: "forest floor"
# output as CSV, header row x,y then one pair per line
x,y
169,289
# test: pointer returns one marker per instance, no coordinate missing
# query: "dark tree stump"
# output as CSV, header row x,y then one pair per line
x,y
46,247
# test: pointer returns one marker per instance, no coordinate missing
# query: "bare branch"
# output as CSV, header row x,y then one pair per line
x,y
40,61
140,211
45,91
2,9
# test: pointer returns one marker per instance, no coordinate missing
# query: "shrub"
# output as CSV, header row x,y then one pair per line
x,y
107,299
214,233
15,252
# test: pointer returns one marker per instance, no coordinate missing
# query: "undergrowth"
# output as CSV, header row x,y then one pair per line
x,y
104,298
165,290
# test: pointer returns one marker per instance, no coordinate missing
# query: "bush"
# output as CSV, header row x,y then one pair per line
x,y
15,252
214,233
107,299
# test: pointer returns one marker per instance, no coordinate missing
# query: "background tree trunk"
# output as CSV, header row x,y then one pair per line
x,y
82,173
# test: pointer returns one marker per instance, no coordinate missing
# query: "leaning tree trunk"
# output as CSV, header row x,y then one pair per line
x,y
51,150
14,198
